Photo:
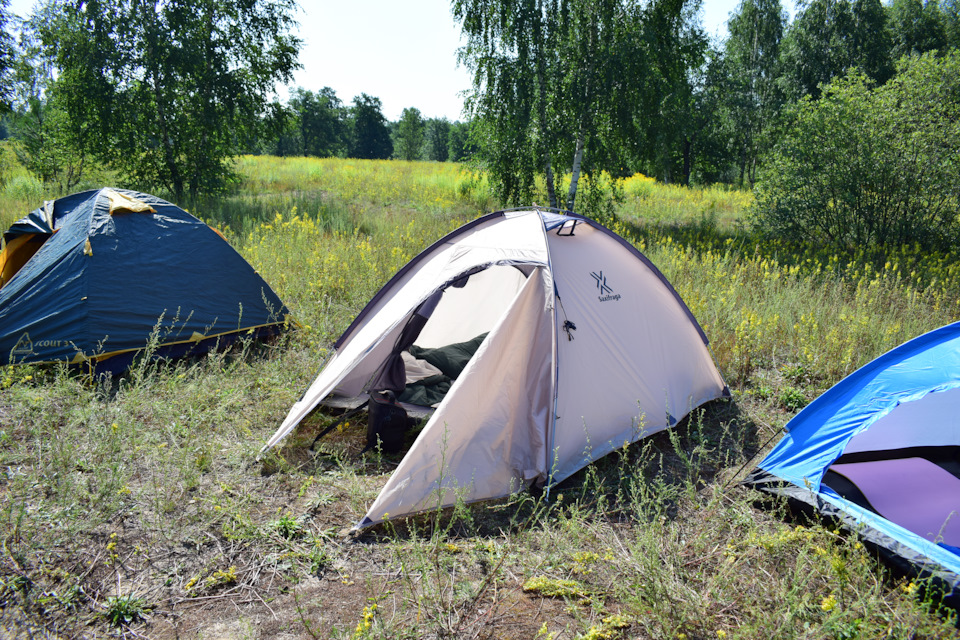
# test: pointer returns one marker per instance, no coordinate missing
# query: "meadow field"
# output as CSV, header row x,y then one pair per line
x,y
136,508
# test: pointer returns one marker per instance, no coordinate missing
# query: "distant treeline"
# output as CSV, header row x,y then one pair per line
x,y
319,124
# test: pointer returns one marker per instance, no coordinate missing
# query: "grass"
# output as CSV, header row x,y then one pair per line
x,y
137,507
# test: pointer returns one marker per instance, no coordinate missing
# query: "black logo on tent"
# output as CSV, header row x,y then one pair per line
x,y
601,281
606,291
24,346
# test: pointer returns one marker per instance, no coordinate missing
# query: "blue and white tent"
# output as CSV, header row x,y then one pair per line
x,y
881,451
91,278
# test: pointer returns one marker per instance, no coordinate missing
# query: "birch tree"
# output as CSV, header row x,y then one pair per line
x,y
571,86
168,89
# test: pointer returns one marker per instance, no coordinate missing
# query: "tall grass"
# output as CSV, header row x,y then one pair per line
x,y
345,194
134,506
338,193
656,203
21,192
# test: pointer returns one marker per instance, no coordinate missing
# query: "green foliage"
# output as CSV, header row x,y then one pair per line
x,y
557,90
370,136
951,22
459,146
164,92
124,610
6,55
280,136
600,198
866,167
287,527
672,48
746,81
792,399
320,120
437,137
410,134
828,37
46,145
917,27
24,189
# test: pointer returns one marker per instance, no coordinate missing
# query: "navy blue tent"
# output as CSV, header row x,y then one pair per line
x,y
93,277
881,451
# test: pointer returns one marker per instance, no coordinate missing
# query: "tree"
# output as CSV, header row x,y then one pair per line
x,y
410,135
662,104
917,27
459,146
169,89
588,39
750,99
311,124
280,132
6,57
509,45
950,10
45,145
370,135
829,37
438,139
321,121
714,152
866,167
870,46
577,86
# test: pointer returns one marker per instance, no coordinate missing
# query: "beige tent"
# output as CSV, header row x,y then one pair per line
x,y
587,347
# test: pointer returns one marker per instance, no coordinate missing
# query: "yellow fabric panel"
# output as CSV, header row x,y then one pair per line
x,y
16,254
120,203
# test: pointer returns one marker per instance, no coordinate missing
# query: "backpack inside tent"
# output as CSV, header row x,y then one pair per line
x,y
549,341
880,450
92,278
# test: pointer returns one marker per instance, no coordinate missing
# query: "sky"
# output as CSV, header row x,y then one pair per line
x,y
401,51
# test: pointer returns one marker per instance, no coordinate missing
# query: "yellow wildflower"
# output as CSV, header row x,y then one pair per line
x,y
829,603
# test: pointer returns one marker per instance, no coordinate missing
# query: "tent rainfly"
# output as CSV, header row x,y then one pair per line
x,y
90,279
880,450
581,346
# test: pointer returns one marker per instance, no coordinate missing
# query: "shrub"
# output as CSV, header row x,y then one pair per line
x,y
868,166
26,188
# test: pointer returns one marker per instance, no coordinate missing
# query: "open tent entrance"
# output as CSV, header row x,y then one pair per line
x,y
24,239
906,467
17,252
437,341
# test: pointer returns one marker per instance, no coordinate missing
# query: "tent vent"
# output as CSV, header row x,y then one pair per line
x,y
569,226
